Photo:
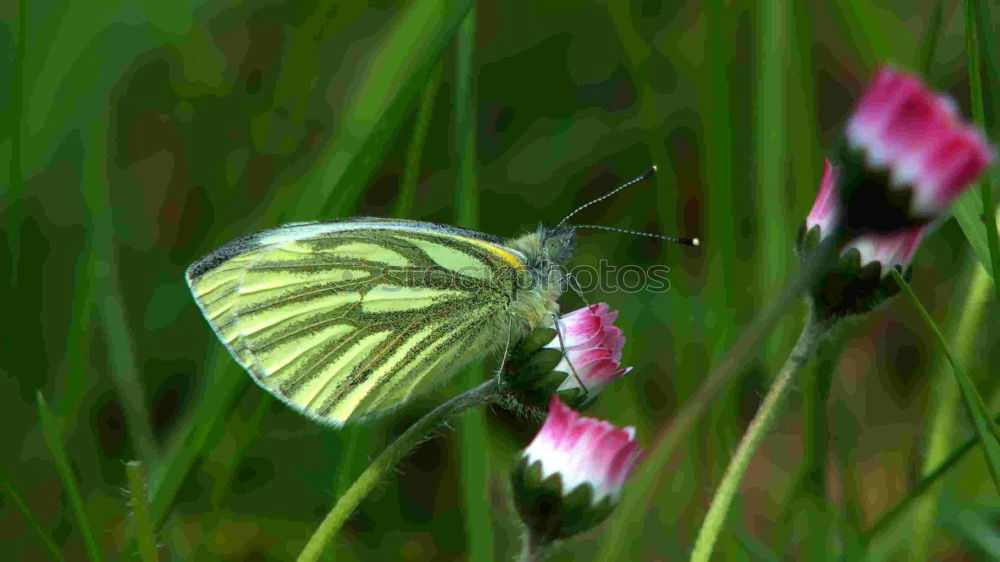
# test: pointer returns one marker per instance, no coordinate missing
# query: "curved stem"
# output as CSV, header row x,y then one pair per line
x,y
482,394
641,491
811,336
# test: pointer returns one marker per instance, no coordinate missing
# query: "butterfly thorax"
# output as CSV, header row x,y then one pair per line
x,y
547,252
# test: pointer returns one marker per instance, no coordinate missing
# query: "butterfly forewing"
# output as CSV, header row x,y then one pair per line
x,y
346,319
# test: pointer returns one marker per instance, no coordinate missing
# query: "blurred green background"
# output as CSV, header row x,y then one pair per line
x,y
139,135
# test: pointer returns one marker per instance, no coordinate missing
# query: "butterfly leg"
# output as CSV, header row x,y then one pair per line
x,y
506,352
562,347
571,281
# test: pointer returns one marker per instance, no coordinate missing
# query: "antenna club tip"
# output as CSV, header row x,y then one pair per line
x,y
654,168
696,242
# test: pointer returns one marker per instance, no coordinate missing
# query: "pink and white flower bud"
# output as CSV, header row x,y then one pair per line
x,y
858,282
918,138
570,477
894,249
592,344
584,450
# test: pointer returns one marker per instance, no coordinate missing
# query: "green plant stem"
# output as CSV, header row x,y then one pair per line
x,y
47,541
774,232
985,427
925,484
415,150
809,340
808,485
945,403
52,434
972,43
345,506
474,458
141,519
642,486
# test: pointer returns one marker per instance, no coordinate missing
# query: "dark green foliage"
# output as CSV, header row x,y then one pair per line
x,y
138,136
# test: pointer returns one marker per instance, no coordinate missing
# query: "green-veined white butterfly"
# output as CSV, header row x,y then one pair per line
x,y
345,319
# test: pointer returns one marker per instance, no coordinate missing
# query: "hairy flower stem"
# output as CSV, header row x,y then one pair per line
x,y
482,394
812,335
533,549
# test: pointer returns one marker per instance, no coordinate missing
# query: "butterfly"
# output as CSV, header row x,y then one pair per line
x,y
346,319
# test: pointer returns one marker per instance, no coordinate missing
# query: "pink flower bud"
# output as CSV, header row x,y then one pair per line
x,y
592,344
858,283
889,250
917,138
584,451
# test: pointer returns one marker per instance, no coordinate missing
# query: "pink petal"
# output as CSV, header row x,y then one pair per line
x,y
824,210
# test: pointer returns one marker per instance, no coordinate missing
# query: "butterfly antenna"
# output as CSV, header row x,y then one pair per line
x,y
649,173
685,241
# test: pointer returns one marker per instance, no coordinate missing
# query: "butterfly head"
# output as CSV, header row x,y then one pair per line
x,y
557,244
546,248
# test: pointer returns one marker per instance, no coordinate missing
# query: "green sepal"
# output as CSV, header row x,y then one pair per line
x,y
540,364
535,340
577,399
530,379
546,511
849,288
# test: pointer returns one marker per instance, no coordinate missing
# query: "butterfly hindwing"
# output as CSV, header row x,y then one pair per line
x,y
346,319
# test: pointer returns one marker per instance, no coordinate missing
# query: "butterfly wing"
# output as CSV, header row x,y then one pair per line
x,y
345,319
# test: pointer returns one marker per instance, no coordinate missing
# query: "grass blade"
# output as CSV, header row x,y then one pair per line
x,y
921,487
867,36
404,59
945,403
15,190
475,458
105,277
775,235
415,150
973,43
220,391
985,427
75,365
929,44
53,438
141,519
968,212
47,541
